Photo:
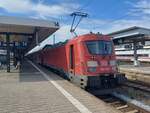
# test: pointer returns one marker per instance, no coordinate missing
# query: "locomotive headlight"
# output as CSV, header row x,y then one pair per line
x,y
112,62
92,63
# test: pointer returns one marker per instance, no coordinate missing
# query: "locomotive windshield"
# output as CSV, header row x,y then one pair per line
x,y
99,47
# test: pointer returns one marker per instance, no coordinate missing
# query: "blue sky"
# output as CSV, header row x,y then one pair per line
x,y
105,16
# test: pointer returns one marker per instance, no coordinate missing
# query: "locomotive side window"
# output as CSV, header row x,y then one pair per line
x,y
99,47
72,57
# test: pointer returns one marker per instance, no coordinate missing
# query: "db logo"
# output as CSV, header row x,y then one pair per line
x,y
104,63
104,69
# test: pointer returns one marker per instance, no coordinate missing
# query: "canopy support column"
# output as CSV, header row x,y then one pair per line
x,y
8,51
136,62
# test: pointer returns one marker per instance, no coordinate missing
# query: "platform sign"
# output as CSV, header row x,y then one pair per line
x,y
24,44
4,52
14,44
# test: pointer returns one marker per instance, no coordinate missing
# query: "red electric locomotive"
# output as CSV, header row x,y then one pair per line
x,y
88,61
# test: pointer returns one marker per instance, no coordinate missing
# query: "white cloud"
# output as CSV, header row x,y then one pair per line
x,y
16,6
139,16
124,23
142,6
40,9
92,23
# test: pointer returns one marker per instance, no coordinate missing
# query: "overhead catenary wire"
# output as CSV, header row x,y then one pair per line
x,y
87,4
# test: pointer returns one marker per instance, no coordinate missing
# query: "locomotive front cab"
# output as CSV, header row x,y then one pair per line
x,y
100,65
100,57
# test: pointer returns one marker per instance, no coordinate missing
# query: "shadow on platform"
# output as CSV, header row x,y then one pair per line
x,y
28,73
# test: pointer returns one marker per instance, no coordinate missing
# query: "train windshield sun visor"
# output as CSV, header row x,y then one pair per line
x,y
99,47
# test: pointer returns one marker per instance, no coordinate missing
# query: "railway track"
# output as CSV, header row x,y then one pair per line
x,y
121,105
138,85
123,102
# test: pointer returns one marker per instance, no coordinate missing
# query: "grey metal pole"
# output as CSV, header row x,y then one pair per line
x,y
53,39
136,63
37,38
8,51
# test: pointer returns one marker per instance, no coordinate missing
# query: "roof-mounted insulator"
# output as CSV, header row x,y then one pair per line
x,y
99,33
91,32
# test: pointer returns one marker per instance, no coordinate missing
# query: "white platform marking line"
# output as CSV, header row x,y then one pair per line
x,y
73,100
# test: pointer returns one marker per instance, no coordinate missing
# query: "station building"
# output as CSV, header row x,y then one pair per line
x,y
132,44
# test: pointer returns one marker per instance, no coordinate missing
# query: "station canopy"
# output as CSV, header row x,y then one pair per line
x,y
21,28
130,35
135,38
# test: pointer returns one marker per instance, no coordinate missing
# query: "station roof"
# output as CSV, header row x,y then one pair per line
x,y
27,26
130,34
128,29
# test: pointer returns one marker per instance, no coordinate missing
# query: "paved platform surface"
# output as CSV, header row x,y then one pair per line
x,y
28,91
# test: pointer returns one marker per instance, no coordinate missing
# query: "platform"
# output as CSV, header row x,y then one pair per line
x,y
140,73
37,90
137,69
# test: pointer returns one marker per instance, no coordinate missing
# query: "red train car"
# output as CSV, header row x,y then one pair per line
x,y
88,61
